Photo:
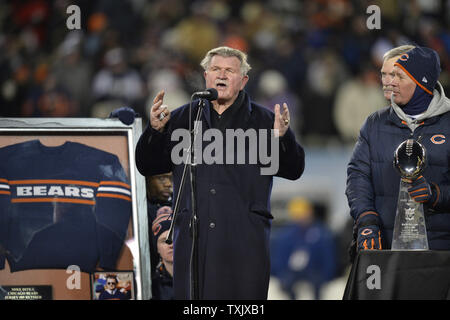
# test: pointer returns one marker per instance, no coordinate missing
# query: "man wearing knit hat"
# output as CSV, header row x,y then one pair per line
x,y
416,74
387,69
419,110
162,281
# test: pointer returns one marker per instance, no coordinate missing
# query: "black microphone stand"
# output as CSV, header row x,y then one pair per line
x,y
190,166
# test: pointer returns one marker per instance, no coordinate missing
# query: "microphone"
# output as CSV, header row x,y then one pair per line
x,y
210,94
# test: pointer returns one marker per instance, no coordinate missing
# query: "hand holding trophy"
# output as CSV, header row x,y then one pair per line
x,y
409,228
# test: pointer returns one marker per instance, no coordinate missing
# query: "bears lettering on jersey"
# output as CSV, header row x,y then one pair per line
x,y
54,191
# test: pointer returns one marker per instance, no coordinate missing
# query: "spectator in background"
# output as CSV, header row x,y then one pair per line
x,y
358,97
162,279
14,77
392,38
196,33
272,87
72,72
303,250
116,84
47,98
324,74
159,194
97,28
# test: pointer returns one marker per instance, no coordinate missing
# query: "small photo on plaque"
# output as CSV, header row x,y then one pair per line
x,y
117,285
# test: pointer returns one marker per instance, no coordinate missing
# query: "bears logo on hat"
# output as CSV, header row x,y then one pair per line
x,y
423,66
162,221
404,57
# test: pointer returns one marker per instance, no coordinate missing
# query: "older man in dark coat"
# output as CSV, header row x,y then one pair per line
x,y
419,110
233,191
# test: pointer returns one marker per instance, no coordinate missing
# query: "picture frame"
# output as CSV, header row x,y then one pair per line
x,y
110,136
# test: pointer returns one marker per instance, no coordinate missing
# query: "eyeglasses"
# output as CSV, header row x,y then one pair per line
x,y
111,283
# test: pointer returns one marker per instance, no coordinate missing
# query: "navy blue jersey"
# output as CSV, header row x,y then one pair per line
x,y
62,206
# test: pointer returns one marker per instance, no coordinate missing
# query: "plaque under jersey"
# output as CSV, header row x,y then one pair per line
x,y
410,231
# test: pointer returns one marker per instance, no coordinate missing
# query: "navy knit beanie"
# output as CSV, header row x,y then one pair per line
x,y
162,221
423,66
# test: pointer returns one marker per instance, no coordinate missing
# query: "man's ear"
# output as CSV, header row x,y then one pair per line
x,y
244,81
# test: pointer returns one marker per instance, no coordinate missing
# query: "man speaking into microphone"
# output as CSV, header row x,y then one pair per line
x,y
232,199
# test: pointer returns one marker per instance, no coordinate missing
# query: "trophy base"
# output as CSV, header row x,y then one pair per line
x,y
409,247
410,232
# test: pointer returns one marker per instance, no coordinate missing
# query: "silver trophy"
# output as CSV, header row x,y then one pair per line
x,y
410,232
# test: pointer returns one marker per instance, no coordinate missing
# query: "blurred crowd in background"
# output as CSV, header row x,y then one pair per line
x,y
319,56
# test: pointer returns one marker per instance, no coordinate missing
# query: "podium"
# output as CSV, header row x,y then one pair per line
x,y
399,275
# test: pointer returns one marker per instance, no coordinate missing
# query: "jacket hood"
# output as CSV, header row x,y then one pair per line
x,y
439,104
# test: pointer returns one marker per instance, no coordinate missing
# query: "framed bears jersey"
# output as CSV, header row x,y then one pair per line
x,y
70,199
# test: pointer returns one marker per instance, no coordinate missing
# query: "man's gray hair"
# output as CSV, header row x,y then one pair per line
x,y
227,52
397,51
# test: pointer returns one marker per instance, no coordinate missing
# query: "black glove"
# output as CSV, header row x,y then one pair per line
x,y
125,114
369,233
421,191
